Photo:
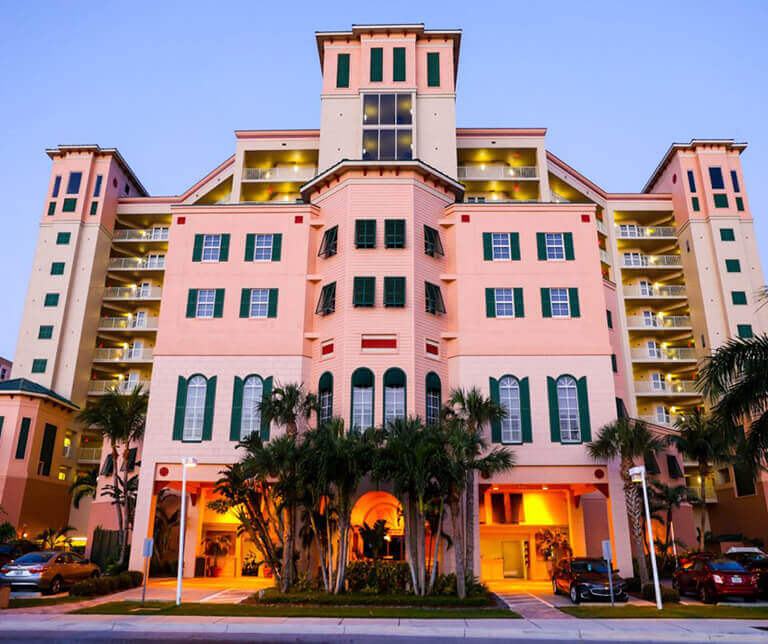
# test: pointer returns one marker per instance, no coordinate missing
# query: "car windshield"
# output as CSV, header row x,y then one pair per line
x,y
726,565
589,566
34,558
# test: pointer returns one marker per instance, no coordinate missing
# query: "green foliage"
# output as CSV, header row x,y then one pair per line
x,y
97,586
84,485
7,532
55,537
251,565
378,578
445,585
273,597
668,595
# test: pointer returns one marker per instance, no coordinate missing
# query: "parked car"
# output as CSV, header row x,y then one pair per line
x,y
712,579
584,578
47,571
754,562
11,551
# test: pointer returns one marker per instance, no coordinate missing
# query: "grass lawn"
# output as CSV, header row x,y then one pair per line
x,y
676,611
272,596
259,610
29,602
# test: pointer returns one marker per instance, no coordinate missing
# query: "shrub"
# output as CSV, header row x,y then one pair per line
x,y
633,584
105,585
384,577
668,595
446,585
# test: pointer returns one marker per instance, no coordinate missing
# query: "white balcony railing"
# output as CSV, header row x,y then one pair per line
x,y
137,263
496,172
663,353
666,387
601,227
129,354
650,261
605,257
649,290
132,323
659,321
293,173
96,387
666,421
89,454
646,232
131,234
133,293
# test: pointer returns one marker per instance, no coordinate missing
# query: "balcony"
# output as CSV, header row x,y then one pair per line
x,y
666,421
497,172
710,495
601,227
132,293
663,354
646,232
666,388
137,263
289,173
128,324
134,235
605,257
659,322
68,451
653,291
129,354
89,455
98,387
636,260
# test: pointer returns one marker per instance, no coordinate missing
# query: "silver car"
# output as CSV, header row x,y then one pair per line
x,y
47,571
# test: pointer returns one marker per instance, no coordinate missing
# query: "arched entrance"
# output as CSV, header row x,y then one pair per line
x,y
377,521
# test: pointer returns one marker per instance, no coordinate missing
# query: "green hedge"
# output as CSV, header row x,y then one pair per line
x,y
272,596
668,595
105,585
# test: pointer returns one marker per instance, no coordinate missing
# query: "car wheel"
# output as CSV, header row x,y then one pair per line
x,y
555,589
574,594
705,596
55,588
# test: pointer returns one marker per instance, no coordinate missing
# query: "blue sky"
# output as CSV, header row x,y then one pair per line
x,y
167,83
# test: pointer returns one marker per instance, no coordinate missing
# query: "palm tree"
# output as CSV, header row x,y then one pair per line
x,y
476,410
165,520
289,405
121,419
84,485
666,499
628,440
53,537
708,441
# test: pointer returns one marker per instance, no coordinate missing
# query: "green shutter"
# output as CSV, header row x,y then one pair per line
x,y
541,246
614,364
21,446
62,239
744,331
192,303
363,291
739,297
433,69
218,303
245,303
394,292
197,249
51,299
210,402
46,449
739,204
265,394
514,246
733,265
398,64
394,233
365,233
277,246
495,423
721,200
695,204
487,247
45,332
69,205
2,420
52,208
272,303
573,302
250,243
727,234
609,318
57,268
237,409
94,207
490,302
554,412
568,243
224,248
181,406
525,410
586,433
342,70
519,305
377,64
546,304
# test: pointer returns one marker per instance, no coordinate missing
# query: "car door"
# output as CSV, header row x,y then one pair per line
x,y
563,581
698,572
76,567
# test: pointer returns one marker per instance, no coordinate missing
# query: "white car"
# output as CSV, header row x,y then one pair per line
x,y
737,550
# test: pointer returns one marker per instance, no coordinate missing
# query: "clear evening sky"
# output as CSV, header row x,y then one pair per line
x,y
167,83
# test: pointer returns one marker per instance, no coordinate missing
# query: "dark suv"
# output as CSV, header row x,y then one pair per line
x,y
584,578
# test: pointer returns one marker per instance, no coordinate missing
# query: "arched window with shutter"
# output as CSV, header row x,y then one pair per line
x,y
250,420
195,398
433,397
325,397
509,399
362,398
394,394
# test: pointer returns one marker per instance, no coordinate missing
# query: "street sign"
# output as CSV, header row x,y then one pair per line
x,y
607,552
149,544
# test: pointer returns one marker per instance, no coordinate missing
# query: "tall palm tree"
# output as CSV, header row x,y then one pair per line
x,y
289,405
121,419
667,498
476,411
628,440
708,441
84,485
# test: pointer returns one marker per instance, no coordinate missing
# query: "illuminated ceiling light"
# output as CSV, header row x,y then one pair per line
x,y
545,487
495,487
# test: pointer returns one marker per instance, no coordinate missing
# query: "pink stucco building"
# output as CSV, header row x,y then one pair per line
x,y
383,260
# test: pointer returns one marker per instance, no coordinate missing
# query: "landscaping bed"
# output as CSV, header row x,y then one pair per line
x,y
271,597
675,611
32,602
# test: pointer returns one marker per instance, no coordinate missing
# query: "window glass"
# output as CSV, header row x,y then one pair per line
x,y
555,246
691,181
501,246
250,421
211,247
56,187
259,303
558,298
206,299
195,409
568,408
362,407
326,405
395,139
735,181
263,249
505,307
97,187
716,179
73,185
394,403
509,399
433,406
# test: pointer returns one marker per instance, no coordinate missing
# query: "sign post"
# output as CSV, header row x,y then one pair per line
x,y
608,556
149,545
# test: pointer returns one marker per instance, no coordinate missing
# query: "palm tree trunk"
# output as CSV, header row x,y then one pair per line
x,y
118,503
433,574
635,511
469,533
320,550
420,554
458,548
703,471
408,529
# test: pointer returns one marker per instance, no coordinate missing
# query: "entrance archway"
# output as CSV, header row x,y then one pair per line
x,y
369,509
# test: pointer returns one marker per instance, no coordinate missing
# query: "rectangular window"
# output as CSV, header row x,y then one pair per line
x,y
62,239
743,479
614,365
691,181
377,64
73,185
364,292
558,298
206,300
505,304
97,186
695,204
329,245
433,298
398,64
51,299
21,446
39,365
327,302
51,208
394,292
716,179
432,244
555,245
735,181
259,304
394,233
739,297
727,234
262,250
57,268
744,331
45,332
739,204
501,248
365,233
94,207
733,265
387,123
69,205
56,186
342,70
609,317
211,248
721,200
433,69
46,450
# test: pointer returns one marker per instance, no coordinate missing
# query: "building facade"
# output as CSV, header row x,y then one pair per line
x,y
383,260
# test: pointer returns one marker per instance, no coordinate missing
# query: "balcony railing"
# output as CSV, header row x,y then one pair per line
x,y
663,353
650,261
68,451
96,387
137,263
123,355
637,290
89,454
601,227
666,387
710,496
605,257
133,293
128,324
556,198
294,173
659,321
667,421
496,172
131,234
646,232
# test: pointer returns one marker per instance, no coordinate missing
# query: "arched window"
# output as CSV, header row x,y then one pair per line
x,y
194,411
394,394
568,409
325,397
509,399
434,397
250,420
362,398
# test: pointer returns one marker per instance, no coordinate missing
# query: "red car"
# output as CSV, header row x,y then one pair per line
x,y
714,579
